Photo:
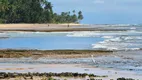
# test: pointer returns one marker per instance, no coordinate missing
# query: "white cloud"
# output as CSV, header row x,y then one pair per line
x,y
98,2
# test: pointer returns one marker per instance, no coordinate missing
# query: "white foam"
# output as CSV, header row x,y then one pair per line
x,y
118,43
2,33
33,34
133,28
112,46
132,37
107,37
123,38
106,34
116,39
132,48
82,34
99,46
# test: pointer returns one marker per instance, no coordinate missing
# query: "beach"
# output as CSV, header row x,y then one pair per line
x,y
69,40
56,27
102,63
73,68
102,50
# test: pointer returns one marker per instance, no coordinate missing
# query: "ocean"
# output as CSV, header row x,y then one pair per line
x,y
130,39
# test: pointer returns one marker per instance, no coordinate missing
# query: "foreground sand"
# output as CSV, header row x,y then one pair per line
x,y
58,61
73,68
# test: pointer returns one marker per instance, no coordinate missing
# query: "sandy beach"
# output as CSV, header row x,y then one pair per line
x,y
37,25
55,27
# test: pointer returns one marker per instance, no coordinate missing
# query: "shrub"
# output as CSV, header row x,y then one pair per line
x,y
124,79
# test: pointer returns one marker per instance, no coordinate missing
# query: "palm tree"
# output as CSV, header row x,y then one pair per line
x,y
73,11
48,6
3,5
80,16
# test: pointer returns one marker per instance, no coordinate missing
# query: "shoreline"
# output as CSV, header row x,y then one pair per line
x,y
55,27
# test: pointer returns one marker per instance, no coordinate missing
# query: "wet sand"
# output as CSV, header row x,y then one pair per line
x,y
85,64
59,68
96,65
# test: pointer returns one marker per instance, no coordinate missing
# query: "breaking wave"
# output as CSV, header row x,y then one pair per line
x,y
104,34
120,43
113,40
82,34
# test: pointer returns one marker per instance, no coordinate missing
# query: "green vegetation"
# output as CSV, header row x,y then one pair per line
x,y
42,53
125,79
50,76
34,11
4,75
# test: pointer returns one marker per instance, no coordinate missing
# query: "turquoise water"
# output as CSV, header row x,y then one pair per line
x,y
46,41
97,40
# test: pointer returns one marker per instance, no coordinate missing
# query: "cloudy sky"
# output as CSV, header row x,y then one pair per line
x,y
103,11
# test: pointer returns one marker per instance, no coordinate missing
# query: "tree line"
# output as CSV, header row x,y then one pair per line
x,y
34,11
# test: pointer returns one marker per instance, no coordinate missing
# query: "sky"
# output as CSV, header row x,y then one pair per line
x,y
103,11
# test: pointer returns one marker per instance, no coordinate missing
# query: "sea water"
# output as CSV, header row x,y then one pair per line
x,y
131,39
46,41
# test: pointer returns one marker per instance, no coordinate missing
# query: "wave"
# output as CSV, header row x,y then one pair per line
x,y
2,33
33,34
24,32
133,37
123,38
119,43
82,34
103,47
133,28
95,33
107,37
104,34
107,47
